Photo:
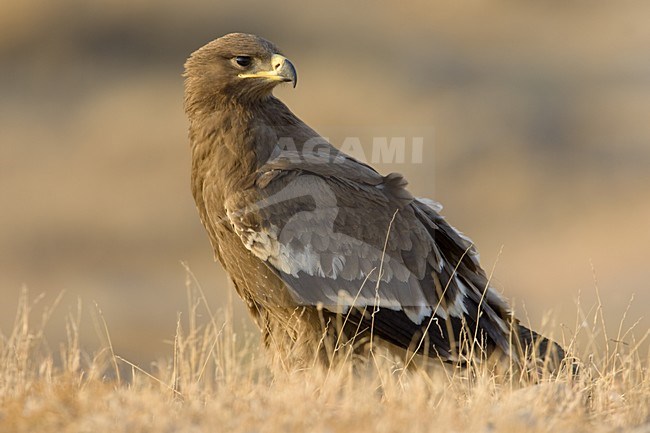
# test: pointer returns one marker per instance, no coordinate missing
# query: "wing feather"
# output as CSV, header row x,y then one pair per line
x,y
342,236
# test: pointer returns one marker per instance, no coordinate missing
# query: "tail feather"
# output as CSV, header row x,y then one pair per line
x,y
541,350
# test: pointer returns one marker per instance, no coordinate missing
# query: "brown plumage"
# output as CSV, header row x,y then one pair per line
x,y
320,245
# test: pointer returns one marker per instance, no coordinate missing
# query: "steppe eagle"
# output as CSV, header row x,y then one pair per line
x,y
320,245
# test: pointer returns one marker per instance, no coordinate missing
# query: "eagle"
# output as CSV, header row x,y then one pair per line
x,y
326,252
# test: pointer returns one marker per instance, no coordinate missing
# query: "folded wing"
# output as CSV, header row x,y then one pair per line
x,y
349,240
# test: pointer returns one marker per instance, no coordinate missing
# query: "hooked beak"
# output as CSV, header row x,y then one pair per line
x,y
282,71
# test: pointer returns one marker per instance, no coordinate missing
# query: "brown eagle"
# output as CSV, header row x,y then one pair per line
x,y
324,250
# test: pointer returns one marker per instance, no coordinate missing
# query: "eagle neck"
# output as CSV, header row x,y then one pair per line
x,y
230,143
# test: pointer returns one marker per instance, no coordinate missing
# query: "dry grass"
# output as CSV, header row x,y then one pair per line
x,y
216,380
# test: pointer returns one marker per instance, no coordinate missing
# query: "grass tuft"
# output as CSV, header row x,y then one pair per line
x,y
218,380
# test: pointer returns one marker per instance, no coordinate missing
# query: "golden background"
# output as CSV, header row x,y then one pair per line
x,y
541,113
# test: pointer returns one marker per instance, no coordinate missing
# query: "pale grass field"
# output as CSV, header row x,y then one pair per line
x,y
218,381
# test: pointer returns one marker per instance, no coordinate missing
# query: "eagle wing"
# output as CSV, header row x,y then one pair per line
x,y
349,240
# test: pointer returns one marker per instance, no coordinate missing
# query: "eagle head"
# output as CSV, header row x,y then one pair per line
x,y
238,67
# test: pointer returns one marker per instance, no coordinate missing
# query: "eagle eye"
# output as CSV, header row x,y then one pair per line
x,y
243,61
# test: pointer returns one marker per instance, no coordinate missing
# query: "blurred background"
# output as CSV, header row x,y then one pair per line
x,y
541,114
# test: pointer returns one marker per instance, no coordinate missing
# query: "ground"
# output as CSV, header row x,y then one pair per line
x,y
216,380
